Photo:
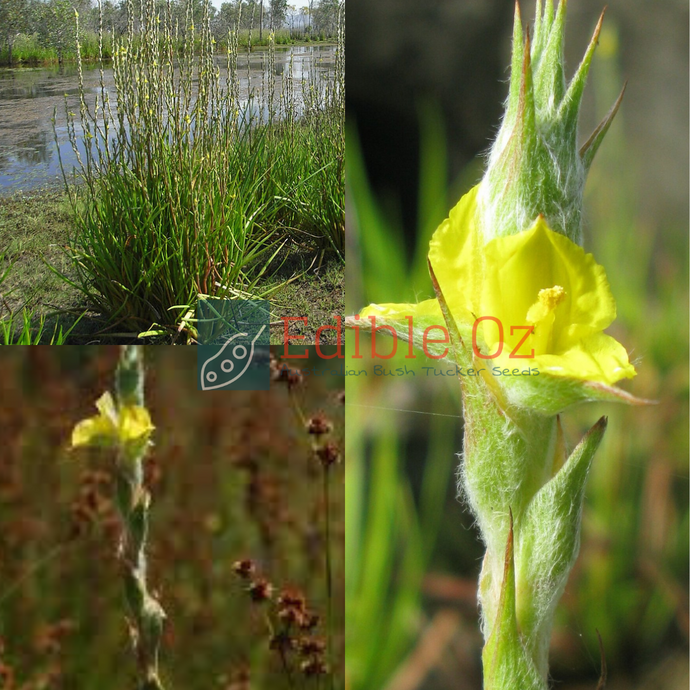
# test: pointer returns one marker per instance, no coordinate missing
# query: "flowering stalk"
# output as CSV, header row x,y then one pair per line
x,y
319,428
124,424
523,309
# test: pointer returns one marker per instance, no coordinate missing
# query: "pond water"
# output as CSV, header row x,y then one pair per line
x,y
28,97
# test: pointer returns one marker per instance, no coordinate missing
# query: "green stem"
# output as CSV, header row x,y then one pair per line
x,y
329,578
132,499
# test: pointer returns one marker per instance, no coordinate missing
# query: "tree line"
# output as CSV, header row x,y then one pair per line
x,y
51,23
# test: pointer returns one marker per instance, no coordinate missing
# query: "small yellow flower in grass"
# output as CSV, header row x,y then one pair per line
x,y
129,426
533,300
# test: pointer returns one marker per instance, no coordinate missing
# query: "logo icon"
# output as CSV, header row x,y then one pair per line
x,y
233,344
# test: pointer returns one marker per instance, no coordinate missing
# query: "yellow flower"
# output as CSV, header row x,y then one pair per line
x,y
130,425
534,300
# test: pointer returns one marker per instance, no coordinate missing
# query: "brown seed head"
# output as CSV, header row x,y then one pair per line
x,y
292,598
281,641
328,454
294,378
260,590
309,646
309,620
6,676
319,425
314,667
244,568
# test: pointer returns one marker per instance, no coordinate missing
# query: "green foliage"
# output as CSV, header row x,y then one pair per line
x,y
278,9
325,17
22,326
46,29
535,166
390,532
506,663
14,20
549,544
26,330
57,27
189,190
392,520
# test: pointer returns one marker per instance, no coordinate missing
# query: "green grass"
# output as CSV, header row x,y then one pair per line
x,y
27,51
35,228
318,295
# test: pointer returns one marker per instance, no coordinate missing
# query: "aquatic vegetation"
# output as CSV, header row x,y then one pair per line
x,y
190,190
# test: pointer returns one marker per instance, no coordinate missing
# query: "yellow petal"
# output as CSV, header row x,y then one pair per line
x,y
456,258
135,422
93,431
519,267
106,406
598,357
537,278
427,329
399,312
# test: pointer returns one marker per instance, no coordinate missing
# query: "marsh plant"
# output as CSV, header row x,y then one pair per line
x,y
124,428
190,187
521,309
124,425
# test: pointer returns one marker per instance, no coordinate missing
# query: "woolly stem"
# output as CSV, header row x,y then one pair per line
x,y
146,615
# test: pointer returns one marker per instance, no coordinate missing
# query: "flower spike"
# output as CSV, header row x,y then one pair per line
x,y
524,308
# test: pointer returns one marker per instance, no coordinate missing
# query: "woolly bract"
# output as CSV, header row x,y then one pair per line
x,y
534,299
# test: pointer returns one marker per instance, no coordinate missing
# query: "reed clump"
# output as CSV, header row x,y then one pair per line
x,y
191,186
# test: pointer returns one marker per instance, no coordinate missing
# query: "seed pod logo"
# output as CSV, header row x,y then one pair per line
x,y
230,363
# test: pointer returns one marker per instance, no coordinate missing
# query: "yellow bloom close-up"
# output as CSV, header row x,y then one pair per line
x,y
131,424
530,301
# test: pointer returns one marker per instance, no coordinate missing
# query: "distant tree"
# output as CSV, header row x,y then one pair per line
x,y
278,10
248,12
308,10
13,21
325,16
114,16
225,20
57,27
293,18
180,8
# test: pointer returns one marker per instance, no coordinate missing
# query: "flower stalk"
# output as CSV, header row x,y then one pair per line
x,y
523,308
124,424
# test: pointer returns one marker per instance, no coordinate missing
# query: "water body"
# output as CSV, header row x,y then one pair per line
x,y
28,98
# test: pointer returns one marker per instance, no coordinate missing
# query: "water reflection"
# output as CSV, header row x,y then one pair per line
x,y
35,149
28,97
